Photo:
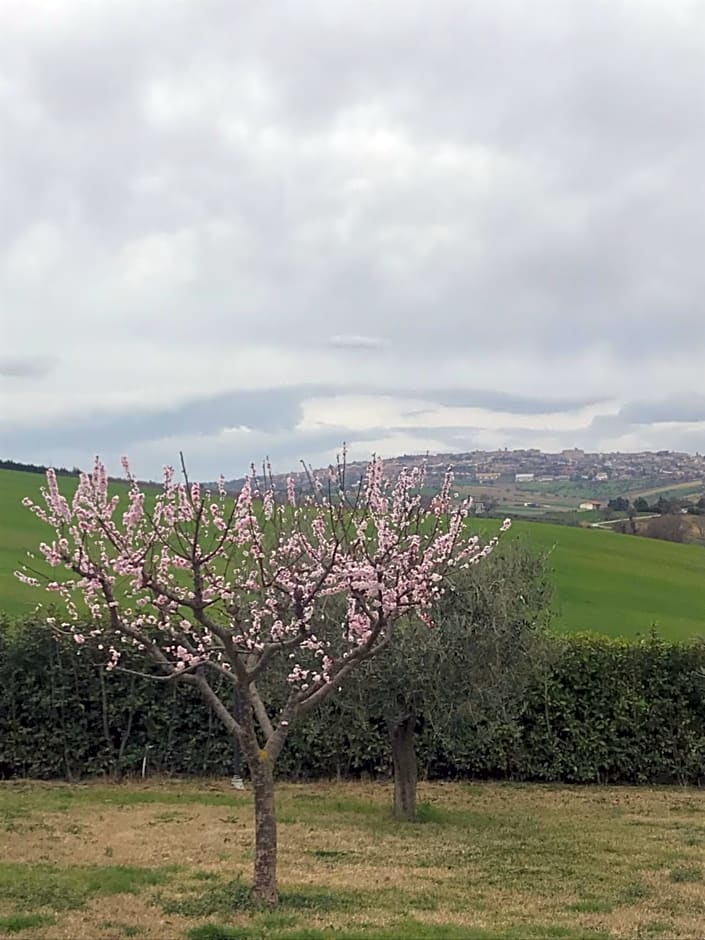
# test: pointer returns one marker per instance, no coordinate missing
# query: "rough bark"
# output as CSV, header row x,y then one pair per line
x,y
405,767
260,761
264,886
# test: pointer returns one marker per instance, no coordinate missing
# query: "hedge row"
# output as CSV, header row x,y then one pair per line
x,y
602,711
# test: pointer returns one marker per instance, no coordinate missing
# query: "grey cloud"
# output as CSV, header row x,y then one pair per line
x,y
680,410
25,367
272,411
271,415
355,342
607,426
267,411
495,400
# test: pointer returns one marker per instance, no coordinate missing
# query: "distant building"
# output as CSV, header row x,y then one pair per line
x,y
601,477
523,477
590,504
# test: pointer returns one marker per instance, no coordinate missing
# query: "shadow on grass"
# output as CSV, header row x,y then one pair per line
x,y
231,896
371,815
234,896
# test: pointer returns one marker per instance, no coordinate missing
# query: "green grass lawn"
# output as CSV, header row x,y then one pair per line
x,y
605,582
483,862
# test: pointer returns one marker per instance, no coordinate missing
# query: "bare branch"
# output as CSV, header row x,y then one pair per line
x,y
233,726
261,712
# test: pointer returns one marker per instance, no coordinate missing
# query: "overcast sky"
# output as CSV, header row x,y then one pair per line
x,y
240,228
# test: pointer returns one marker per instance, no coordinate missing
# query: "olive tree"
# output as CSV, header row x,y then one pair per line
x,y
472,670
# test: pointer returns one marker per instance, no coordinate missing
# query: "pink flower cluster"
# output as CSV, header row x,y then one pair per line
x,y
197,577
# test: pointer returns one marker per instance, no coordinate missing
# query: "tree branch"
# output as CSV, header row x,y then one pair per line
x,y
261,712
233,726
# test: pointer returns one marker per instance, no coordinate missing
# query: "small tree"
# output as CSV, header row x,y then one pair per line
x,y
474,667
619,504
204,586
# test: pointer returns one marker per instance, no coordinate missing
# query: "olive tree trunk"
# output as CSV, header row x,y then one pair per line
x,y
405,766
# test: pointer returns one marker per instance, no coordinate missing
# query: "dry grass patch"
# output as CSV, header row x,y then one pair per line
x,y
493,860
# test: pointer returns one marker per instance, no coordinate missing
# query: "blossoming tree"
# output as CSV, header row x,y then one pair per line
x,y
203,585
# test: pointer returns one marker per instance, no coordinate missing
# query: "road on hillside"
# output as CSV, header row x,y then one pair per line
x,y
601,525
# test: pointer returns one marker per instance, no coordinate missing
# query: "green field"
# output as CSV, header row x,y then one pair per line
x,y
622,585
605,582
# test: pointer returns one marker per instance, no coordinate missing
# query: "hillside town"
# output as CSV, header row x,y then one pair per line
x,y
535,466
528,466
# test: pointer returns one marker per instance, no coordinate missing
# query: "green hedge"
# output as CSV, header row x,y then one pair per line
x,y
602,711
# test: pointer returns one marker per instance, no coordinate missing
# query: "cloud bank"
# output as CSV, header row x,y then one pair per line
x,y
238,230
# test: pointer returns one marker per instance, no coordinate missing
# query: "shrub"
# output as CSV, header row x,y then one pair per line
x,y
601,710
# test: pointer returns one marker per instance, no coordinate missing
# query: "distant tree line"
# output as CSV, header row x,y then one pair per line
x,y
60,471
36,468
663,506
671,519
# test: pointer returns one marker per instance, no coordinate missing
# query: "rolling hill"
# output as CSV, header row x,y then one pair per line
x,y
608,583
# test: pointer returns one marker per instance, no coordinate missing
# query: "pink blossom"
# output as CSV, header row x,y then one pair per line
x,y
262,577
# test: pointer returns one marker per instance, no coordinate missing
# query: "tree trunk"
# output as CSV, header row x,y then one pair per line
x,y
264,887
405,768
